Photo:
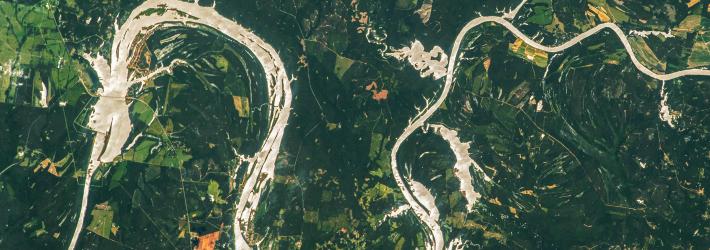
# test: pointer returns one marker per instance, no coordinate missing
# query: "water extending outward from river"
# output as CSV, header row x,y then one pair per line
x,y
358,124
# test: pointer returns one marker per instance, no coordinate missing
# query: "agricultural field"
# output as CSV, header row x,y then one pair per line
x,y
400,124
